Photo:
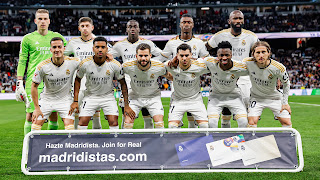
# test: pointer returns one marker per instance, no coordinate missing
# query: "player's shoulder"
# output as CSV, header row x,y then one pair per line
x,y
43,63
211,59
156,63
116,62
240,65
174,38
130,63
198,63
248,59
119,42
278,65
245,31
222,32
68,58
74,39
86,60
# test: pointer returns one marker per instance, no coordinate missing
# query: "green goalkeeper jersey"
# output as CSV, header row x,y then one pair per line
x,y
34,49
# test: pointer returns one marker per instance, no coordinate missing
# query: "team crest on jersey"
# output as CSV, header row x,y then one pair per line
x,y
194,47
232,76
67,72
270,76
152,76
108,72
193,75
243,42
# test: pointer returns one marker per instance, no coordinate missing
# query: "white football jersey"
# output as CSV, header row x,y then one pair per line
x,y
79,48
264,81
225,82
127,50
144,84
241,44
170,50
57,80
186,83
99,78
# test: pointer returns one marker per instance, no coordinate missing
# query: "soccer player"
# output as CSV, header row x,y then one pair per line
x,y
264,73
241,41
224,91
57,75
186,36
81,47
186,81
35,47
99,93
126,49
144,73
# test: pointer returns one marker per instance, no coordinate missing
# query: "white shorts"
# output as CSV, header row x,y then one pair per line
x,y
245,85
153,105
62,107
257,105
196,108
107,103
218,101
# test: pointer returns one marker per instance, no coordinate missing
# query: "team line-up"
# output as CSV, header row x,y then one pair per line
x,y
242,83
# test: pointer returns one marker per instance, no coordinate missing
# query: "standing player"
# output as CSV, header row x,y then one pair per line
x,y
99,93
57,75
35,47
241,41
126,49
186,36
264,74
81,47
145,92
224,91
186,81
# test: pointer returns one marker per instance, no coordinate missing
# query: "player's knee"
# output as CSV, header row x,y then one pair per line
x,y
173,125
145,112
226,112
203,124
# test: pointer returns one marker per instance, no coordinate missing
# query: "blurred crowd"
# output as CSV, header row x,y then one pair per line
x,y
159,22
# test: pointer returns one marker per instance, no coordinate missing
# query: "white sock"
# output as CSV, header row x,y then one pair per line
x,y
148,122
242,122
76,120
82,127
69,127
252,126
35,127
127,125
159,125
96,123
287,126
173,125
203,125
113,127
213,122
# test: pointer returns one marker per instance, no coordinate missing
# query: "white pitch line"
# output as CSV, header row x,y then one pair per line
x,y
305,104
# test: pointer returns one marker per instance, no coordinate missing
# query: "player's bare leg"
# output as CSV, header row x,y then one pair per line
x,y
37,125
285,122
83,122
68,124
28,123
113,121
158,121
53,121
128,122
203,123
253,121
96,123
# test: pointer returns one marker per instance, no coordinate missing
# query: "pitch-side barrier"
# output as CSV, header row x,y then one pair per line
x,y
184,150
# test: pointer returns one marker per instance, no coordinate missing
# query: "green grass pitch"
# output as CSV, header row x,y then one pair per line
x,y
305,119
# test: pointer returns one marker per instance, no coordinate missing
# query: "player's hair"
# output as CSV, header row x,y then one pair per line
x,y
260,43
235,11
143,46
183,47
57,39
224,45
85,19
100,38
186,15
42,11
132,20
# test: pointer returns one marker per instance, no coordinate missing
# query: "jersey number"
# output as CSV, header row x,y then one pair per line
x,y
253,104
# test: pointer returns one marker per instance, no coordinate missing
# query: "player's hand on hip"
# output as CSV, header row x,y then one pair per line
x,y
173,62
129,112
286,107
20,92
109,57
36,113
74,107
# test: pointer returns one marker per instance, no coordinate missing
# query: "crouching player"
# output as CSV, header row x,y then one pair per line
x,y
224,91
264,73
186,82
99,71
145,93
56,73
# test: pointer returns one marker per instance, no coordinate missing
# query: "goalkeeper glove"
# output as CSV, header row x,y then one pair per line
x,y
21,94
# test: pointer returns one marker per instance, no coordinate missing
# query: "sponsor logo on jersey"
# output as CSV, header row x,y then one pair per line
x,y
67,72
125,50
78,48
50,74
194,47
243,42
152,76
135,76
108,72
193,75
270,76
37,42
232,76
91,73
253,73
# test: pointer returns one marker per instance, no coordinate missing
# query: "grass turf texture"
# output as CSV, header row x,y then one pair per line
x,y
305,119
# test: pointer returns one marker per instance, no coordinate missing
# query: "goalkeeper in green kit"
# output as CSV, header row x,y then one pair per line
x,y
35,47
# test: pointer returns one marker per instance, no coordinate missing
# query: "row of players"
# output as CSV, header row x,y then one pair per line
x,y
36,47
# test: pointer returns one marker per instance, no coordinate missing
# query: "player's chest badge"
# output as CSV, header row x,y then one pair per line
x,y
232,76
67,72
152,76
243,43
194,47
108,72
270,76
193,75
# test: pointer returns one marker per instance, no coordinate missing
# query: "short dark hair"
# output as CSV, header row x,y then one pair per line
x,y
143,46
224,45
186,15
100,38
85,19
183,47
57,39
